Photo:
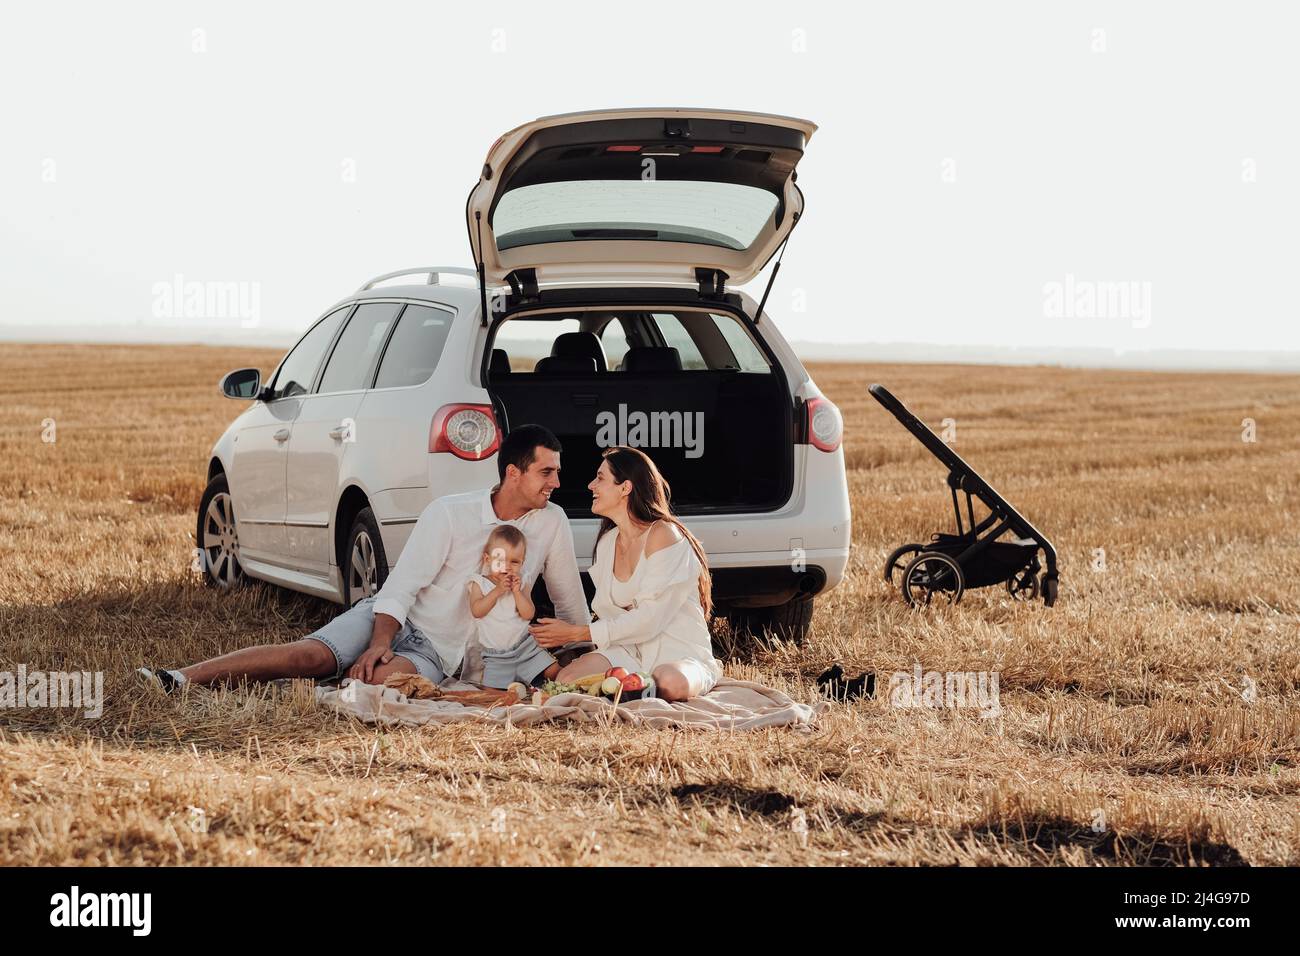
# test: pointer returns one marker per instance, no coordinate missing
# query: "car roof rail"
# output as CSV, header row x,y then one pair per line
x,y
433,272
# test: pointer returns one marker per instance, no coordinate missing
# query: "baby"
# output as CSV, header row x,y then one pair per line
x,y
502,611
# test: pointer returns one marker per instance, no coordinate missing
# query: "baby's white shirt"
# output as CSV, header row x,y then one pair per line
x,y
502,627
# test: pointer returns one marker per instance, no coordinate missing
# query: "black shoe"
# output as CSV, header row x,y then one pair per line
x,y
160,679
833,684
832,673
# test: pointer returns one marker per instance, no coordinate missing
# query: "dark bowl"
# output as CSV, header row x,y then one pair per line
x,y
648,690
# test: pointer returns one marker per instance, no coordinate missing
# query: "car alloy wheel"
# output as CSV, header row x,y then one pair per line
x,y
221,541
363,573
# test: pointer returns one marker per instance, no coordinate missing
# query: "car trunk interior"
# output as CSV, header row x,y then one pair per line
x,y
712,410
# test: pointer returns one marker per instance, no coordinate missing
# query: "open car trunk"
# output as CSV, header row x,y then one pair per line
x,y
721,436
681,197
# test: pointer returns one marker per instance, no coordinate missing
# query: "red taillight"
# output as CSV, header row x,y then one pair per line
x,y
825,424
622,149
706,149
467,431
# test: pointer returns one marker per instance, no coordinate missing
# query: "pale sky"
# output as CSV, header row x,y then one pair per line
x,y
970,157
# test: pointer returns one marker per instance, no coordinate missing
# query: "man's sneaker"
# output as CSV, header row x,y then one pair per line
x,y
165,680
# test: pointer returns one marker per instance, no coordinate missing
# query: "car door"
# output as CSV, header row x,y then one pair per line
x,y
326,430
258,461
397,414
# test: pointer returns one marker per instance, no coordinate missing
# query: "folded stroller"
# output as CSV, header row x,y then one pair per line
x,y
1001,548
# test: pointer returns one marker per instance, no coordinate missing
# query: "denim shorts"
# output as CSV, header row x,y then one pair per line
x,y
522,663
348,635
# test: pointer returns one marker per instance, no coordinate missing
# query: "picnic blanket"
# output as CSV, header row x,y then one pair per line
x,y
732,705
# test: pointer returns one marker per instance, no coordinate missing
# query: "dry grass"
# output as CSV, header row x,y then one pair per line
x,y
1124,699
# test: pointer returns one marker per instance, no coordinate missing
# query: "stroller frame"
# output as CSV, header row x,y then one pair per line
x,y
974,538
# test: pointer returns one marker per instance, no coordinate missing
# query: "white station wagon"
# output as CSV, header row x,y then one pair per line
x,y
604,245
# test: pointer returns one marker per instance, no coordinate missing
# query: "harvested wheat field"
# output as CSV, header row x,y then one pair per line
x,y
1151,717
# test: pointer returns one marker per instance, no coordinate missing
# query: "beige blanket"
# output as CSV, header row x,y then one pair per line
x,y
731,705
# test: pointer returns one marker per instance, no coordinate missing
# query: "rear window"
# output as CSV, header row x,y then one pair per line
x,y
723,214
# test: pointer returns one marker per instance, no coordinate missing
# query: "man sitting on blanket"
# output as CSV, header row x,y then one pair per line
x,y
420,621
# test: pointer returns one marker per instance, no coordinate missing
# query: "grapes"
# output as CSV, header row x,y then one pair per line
x,y
553,687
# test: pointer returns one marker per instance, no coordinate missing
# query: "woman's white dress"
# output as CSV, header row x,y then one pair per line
x,y
654,617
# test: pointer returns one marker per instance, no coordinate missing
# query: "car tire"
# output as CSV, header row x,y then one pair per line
x,y
787,622
364,566
216,537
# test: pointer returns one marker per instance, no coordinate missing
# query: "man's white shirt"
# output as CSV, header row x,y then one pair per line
x,y
428,584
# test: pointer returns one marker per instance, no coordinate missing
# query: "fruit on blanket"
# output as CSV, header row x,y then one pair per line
x,y
619,672
611,686
552,688
519,689
594,689
632,682
590,680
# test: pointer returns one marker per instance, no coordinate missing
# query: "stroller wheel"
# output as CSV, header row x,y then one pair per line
x,y
899,560
1023,585
931,573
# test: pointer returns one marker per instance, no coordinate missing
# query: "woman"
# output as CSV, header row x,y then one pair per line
x,y
652,586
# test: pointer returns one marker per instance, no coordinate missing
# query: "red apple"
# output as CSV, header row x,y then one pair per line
x,y
632,682
619,672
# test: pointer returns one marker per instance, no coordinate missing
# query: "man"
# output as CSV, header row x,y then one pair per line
x,y
420,622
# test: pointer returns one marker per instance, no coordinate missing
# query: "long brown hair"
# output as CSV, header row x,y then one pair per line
x,y
650,501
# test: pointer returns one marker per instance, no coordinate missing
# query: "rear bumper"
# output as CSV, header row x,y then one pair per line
x,y
765,586
761,585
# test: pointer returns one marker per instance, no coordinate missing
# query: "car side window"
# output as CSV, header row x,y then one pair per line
x,y
298,370
413,351
354,357
675,334
614,341
526,340
749,358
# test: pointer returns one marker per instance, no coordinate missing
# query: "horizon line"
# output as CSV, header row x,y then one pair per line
x,y
909,353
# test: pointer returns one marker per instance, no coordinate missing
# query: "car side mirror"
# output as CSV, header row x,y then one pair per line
x,y
244,383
